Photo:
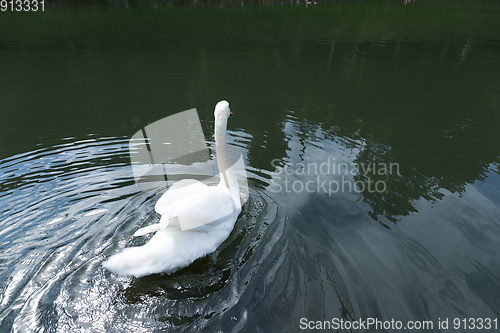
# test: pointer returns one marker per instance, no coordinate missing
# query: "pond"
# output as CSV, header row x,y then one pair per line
x,y
369,131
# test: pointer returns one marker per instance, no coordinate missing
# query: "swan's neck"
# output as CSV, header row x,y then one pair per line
x,y
220,131
227,177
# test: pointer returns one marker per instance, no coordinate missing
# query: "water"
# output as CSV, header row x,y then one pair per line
x,y
415,87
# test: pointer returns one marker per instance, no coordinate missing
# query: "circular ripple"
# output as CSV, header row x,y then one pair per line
x,y
72,206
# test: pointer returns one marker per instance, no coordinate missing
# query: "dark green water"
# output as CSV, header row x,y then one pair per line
x,y
415,87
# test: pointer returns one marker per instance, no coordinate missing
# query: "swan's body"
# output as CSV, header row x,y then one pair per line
x,y
196,218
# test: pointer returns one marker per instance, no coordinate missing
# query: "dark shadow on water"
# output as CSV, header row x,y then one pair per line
x,y
203,277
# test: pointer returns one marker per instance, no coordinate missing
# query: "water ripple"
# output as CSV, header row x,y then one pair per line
x,y
70,206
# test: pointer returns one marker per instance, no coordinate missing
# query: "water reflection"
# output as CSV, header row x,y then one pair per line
x,y
435,136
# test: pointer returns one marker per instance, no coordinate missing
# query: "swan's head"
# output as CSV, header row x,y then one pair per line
x,y
222,110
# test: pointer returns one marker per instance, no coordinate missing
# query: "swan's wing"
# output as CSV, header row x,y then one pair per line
x,y
194,204
180,190
204,208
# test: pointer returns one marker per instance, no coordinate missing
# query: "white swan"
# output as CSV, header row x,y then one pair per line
x,y
195,218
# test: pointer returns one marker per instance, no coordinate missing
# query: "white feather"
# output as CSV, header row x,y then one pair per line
x,y
196,218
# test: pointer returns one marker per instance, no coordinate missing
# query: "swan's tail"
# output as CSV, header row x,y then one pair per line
x,y
167,251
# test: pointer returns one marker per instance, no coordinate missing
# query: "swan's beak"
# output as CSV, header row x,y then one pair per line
x,y
230,113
